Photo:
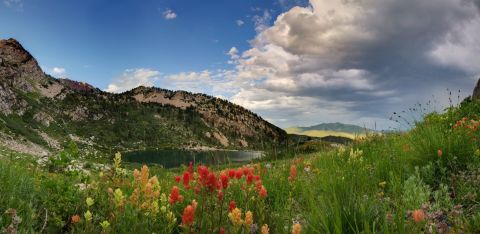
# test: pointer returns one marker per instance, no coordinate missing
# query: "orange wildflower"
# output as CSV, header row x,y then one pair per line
x,y
418,216
262,192
293,172
75,219
297,228
265,229
439,153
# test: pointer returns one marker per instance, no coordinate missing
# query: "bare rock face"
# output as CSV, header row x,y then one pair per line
x,y
18,66
476,91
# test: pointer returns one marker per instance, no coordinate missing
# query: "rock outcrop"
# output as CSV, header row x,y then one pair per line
x,y
476,91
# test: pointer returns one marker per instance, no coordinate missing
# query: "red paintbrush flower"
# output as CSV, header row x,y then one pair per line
x,y
188,215
175,195
232,206
224,179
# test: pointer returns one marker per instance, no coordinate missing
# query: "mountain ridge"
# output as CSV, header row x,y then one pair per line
x,y
43,110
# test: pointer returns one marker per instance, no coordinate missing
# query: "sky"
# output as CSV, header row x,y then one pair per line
x,y
294,62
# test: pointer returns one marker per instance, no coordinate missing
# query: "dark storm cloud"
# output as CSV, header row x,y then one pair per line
x,y
376,56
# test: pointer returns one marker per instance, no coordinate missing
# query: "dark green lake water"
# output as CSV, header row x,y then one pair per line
x,y
175,158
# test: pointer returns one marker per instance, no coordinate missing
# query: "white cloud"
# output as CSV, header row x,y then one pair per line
x,y
168,14
239,22
233,52
13,3
261,22
348,61
59,71
132,78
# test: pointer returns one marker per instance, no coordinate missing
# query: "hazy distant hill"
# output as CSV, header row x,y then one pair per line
x,y
39,113
329,129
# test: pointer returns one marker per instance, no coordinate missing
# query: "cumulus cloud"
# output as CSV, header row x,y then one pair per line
x,y
347,60
168,14
362,57
59,71
239,22
132,78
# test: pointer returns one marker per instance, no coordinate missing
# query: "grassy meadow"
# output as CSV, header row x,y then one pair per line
x,y
426,180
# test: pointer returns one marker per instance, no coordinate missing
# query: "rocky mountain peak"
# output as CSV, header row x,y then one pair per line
x,y
15,61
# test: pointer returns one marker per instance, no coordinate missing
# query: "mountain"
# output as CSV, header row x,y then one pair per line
x,y
39,114
329,129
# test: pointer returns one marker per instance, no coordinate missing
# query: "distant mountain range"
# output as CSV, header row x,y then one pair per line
x,y
40,114
329,129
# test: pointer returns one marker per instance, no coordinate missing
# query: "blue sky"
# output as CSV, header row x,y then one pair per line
x,y
96,41
294,62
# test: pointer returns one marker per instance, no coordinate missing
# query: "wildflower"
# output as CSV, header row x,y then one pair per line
x,y
224,179
154,182
188,215
134,196
382,184
231,173
293,172
389,217
88,216
439,153
220,195
249,178
265,229
418,216
232,206
248,218
117,160
221,230
190,168
297,228
175,195
177,179
258,185
262,192
144,174
239,173
105,224
75,219
119,198
186,180
236,217
136,175
89,201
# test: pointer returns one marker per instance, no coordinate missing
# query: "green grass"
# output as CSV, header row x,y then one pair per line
x,y
410,182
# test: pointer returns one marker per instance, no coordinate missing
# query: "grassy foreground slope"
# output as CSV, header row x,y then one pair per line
x,y
425,180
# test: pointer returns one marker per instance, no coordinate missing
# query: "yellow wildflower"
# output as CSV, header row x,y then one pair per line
x,y
88,216
119,198
236,216
89,201
382,184
105,224
297,228
117,160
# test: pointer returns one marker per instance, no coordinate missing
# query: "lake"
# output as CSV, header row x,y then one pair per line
x,y
175,158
